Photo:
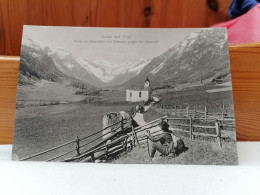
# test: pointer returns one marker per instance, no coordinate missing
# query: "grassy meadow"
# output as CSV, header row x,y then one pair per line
x,y
49,114
197,96
41,126
199,152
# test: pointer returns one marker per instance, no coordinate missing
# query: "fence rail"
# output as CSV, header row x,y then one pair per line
x,y
186,122
46,151
78,142
223,116
189,122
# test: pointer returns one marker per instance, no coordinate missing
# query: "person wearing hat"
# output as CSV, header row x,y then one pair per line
x,y
167,142
161,143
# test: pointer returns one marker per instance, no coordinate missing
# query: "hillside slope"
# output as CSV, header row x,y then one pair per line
x,y
36,65
200,56
97,73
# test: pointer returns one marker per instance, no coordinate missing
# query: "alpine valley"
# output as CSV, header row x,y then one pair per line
x,y
195,59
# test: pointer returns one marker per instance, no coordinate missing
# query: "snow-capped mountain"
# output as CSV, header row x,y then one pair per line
x,y
199,56
115,74
99,73
41,46
63,60
129,70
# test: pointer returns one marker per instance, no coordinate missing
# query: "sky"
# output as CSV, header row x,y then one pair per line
x,y
115,45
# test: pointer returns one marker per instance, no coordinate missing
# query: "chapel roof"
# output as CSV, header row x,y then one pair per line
x,y
139,88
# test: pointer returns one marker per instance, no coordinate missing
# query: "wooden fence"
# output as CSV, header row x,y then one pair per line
x,y
204,113
227,119
192,127
124,137
187,122
94,139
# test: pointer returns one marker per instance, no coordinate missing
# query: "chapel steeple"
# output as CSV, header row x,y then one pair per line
x,y
147,82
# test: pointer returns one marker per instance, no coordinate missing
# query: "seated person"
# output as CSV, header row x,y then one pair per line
x,y
166,143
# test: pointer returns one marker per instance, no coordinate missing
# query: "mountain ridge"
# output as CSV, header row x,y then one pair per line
x,y
98,73
201,55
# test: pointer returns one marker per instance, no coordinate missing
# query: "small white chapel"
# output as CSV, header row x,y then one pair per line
x,y
139,93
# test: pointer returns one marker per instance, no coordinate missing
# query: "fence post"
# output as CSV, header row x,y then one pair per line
x,y
135,137
77,145
205,112
92,157
223,110
191,129
106,152
125,147
122,124
218,134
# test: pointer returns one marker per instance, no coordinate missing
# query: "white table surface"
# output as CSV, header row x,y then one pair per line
x,y
86,178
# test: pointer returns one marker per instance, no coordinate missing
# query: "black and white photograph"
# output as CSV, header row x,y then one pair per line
x,y
125,96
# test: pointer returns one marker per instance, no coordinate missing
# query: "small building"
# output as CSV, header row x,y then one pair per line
x,y
139,93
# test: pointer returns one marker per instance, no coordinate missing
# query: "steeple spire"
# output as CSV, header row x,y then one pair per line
x,y
147,82
147,79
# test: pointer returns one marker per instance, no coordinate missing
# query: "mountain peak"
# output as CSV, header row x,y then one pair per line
x,y
194,59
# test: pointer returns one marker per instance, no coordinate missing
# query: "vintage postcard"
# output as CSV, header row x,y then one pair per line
x,y
125,95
